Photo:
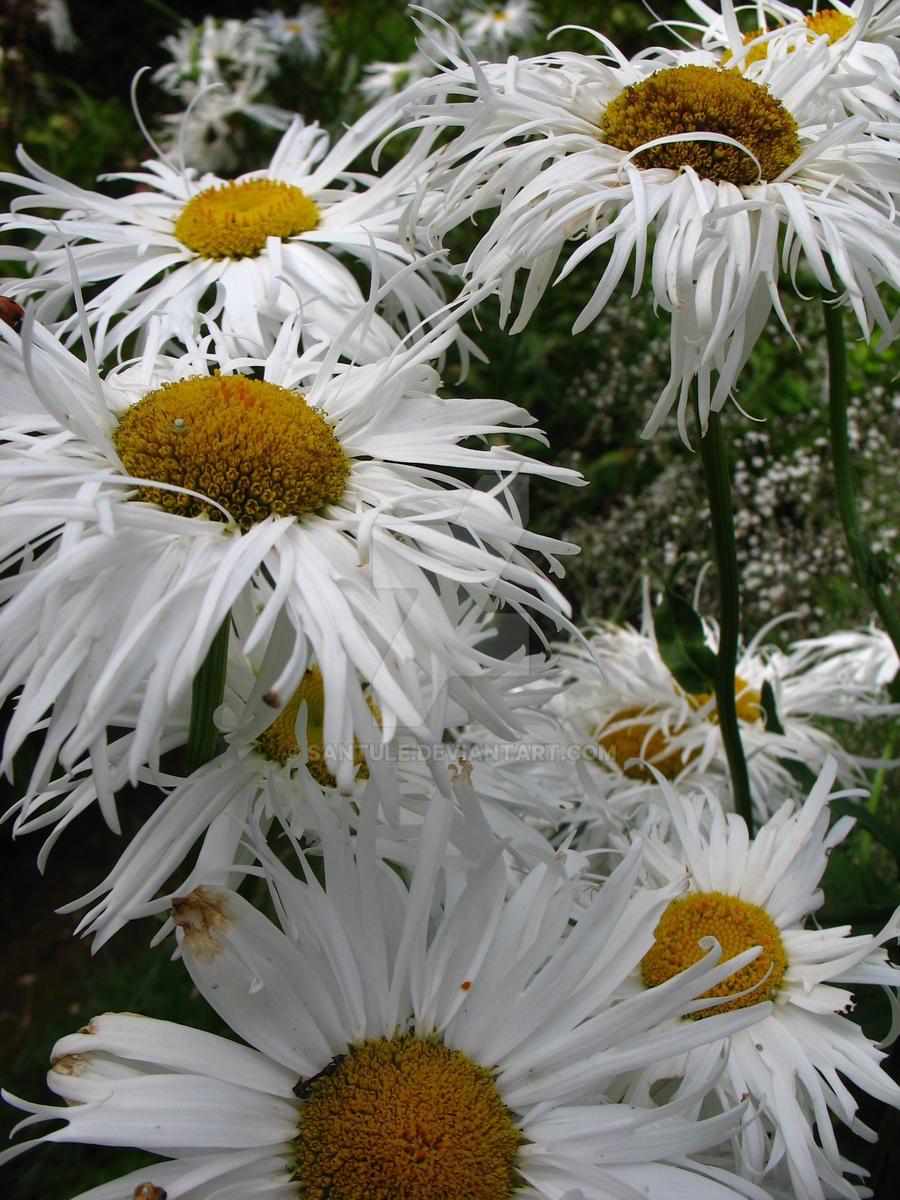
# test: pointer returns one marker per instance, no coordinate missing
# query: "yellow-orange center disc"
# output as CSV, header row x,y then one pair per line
x,y
255,448
403,1119
233,220
736,925
695,99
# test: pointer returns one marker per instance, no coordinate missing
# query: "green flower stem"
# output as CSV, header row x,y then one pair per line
x,y
206,696
871,571
865,838
718,491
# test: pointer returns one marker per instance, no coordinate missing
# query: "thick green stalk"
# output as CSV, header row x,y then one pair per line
x,y
864,838
718,491
206,696
870,569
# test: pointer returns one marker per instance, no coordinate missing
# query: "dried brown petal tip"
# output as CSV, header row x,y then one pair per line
x,y
199,914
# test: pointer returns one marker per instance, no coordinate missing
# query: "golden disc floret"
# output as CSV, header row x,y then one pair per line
x,y
233,219
830,22
253,447
278,742
633,733
826,22
736,925
691,99
404,1119
747,701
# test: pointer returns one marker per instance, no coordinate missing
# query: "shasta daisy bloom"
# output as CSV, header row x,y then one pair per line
x,y
499,26
405,1038
796,1062
702,178
625,708
862,37
138,509
279,769
261,246
303,34
226,53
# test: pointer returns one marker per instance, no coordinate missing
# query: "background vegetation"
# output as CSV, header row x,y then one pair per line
x,y
642,511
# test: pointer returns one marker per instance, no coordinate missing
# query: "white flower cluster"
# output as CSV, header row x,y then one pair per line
x,y
219,70
259,557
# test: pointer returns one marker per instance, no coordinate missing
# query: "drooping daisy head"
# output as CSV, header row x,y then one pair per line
x,y
709,183
796,1061
275,770
860,39
249,252
158,495
460,1041
624,706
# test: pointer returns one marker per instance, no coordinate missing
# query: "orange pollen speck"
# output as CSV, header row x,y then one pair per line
x,y
403,1119
736,925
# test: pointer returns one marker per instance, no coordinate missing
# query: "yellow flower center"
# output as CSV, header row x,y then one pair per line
x,y
737,926
278,742
253,447
693,99
403,1119
826,21
831,22
632,734
748,701
233,220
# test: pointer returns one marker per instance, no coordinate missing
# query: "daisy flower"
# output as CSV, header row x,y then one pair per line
x,y
864,660
697,175
796,1061
226,53
279,768
862,38
218,71
136,510
496,28
247,252
412,1039
303,34
625,708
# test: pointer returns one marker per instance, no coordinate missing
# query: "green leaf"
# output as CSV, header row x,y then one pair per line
x,y
881,830
770,712
679,635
